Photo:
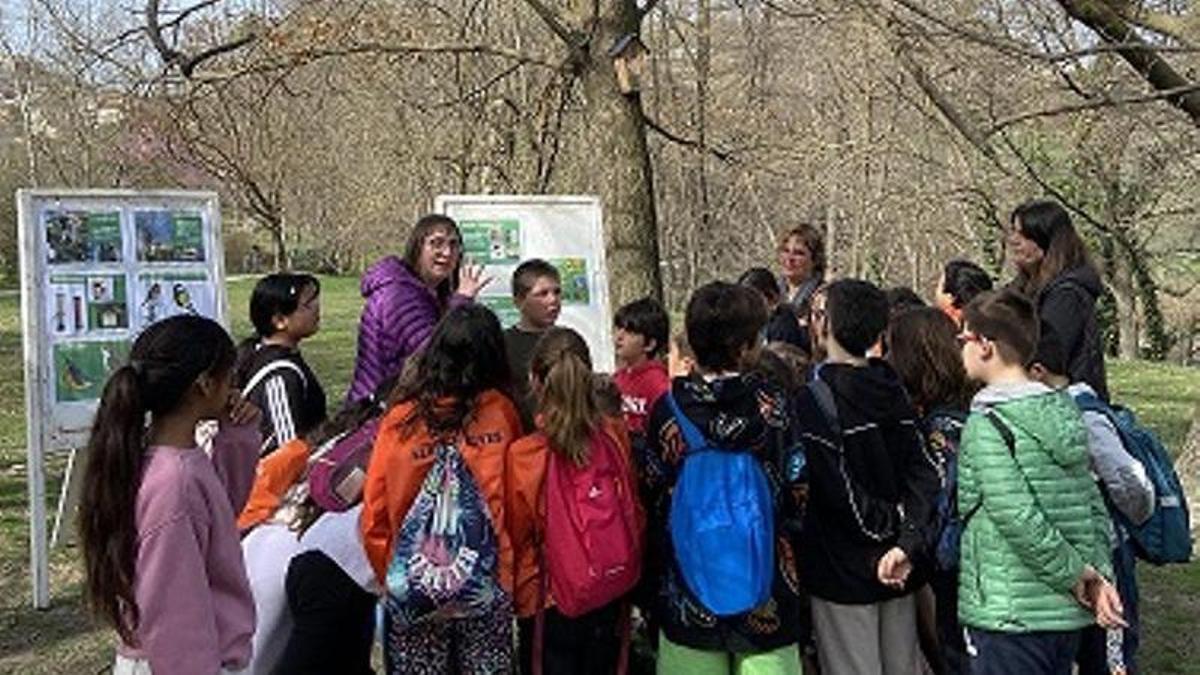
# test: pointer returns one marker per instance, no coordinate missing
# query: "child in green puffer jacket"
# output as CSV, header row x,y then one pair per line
x,y
1035,558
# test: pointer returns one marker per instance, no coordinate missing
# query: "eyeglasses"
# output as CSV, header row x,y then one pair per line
x,y
443,243
968,336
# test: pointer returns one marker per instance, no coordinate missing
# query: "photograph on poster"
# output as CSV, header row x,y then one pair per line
x,y
574,275
78,304
160,295
491,242
82,368
169,236
82,236
504,308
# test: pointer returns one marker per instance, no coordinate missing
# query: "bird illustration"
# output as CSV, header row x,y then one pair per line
x,y
73,377
183,299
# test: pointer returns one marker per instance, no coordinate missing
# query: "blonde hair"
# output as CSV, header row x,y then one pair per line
x,y
567,401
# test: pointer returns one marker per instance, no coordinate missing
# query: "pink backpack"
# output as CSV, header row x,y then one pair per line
x,y
338,469
593,539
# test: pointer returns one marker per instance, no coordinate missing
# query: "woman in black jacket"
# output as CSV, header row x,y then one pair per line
x,y
1056,272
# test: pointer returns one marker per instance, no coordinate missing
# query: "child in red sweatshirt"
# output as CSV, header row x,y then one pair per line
x,y
640,341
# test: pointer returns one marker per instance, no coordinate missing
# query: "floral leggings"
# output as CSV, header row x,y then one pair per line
x,y
479,646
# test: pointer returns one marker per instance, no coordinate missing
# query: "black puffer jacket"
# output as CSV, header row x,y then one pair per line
x,y
1068,305
739,413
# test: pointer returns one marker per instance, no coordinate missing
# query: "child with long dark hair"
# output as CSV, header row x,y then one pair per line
x,y
575,440
924,352
454,412
285,310
160,543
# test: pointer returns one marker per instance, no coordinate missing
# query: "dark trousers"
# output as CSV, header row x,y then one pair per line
x,y
584,645
950,635
333,619
1038,653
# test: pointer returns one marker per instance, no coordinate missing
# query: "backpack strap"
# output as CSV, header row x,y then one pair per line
x,y
691,433
271,368
1010,442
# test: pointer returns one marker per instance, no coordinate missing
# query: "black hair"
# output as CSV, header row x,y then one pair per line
x,y
647,318
464,358
962,280
762,280
278,294
723,320
164,363
900,298
857,312
528,272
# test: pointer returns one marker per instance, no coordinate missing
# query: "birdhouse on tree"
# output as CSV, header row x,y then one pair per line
x,y
629,62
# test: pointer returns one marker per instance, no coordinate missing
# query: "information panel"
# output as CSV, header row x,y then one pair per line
x,y
97,268
499,231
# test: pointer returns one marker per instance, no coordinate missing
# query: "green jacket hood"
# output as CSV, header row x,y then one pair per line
x,y
1039,411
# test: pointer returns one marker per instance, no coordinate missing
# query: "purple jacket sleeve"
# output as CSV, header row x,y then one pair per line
x,y
235,458
177,622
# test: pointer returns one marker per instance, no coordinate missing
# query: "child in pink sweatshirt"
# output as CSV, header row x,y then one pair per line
x,y
157,518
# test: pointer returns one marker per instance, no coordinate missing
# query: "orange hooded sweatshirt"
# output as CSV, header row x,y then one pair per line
x,y
526,472
403,455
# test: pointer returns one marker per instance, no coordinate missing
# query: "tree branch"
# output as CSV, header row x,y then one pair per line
x,y
173,57
556,23
723,155
1095,104
1111,28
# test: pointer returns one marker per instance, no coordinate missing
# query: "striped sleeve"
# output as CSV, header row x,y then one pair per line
x,y
281,400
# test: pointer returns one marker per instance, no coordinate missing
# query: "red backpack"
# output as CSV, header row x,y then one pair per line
x,y
593,539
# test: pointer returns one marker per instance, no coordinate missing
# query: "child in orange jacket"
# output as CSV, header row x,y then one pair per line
x,y
456,394
572,423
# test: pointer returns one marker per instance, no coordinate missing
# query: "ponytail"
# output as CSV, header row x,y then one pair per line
x,y
107,528
568,403
163,364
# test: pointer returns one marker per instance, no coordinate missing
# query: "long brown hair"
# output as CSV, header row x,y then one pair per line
x,y
163,364
1048,225
923,348
464,358
568,403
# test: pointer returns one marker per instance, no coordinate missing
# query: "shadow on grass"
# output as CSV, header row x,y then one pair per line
x,y
24,629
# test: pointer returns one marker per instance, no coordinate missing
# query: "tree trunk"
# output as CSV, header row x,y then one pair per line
x,y
1187,464
615,137
1126,296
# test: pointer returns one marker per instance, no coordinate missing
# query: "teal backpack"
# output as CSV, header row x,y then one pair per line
x,y
1166,537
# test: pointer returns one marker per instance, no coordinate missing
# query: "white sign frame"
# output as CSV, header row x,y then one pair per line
x,y
594,320
55,425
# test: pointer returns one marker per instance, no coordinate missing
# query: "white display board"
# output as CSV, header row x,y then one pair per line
x,y
499,231
97,267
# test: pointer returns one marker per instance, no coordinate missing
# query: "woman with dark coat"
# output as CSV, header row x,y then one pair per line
x,y
406,298
1056,272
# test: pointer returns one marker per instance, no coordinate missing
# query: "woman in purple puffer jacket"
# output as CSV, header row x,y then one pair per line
x,y
406,298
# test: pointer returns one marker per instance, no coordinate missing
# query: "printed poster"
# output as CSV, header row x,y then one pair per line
x,y
574,275
82,368
491,242
84,303
169,236
504,308
159,295
82,236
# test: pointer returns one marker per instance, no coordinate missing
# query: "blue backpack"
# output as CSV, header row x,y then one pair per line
x,y
722,524
942,433
1166,536
445,561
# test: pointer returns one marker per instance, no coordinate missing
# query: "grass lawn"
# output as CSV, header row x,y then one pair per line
x,y
64,640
